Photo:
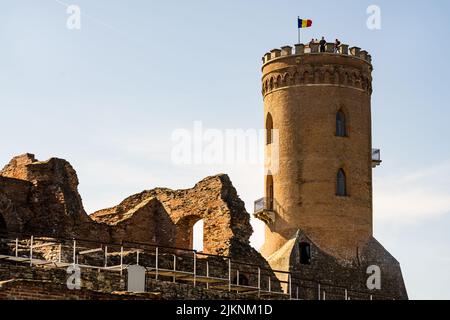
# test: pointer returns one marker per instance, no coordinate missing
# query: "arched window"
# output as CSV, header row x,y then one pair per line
x,y
341,184
341,126
304,253
197,237
269,192
269,129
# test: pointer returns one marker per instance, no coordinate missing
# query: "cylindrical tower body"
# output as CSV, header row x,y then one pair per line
x,y
320,106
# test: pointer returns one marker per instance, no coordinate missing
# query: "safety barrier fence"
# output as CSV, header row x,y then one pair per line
x,y
162,263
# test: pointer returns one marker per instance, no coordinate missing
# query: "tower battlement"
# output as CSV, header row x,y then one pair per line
x,y
302,49
304,65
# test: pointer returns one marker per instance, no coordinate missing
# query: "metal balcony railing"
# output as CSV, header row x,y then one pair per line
x,y
265,210
264,204
376,158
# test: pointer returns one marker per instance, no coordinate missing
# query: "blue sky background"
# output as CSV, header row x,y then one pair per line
x,y
108,97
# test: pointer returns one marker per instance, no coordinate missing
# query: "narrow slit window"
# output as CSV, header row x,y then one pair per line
x,y
341,126
269,129
269,193
341,184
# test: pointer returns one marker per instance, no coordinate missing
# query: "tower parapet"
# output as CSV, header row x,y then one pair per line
x,y
301,49
305,65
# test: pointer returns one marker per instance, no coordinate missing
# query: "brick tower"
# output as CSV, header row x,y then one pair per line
x,y
317,108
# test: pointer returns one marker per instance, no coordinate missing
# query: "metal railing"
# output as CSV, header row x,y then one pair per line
x,y
376,155
264,204
213,272
376,158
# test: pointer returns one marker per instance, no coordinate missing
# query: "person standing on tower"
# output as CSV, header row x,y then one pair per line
x,y
322,43
336,46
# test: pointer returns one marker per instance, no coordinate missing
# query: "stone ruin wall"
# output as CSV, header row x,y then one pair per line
x,y
41,199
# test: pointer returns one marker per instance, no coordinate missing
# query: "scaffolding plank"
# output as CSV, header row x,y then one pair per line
x,y
43,245
13,258
204,279
170,273
90,251
235,288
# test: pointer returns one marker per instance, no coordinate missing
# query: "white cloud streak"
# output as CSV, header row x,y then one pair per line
x,y
413,197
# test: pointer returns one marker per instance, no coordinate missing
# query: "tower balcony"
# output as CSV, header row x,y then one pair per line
x,y
265,210
376,158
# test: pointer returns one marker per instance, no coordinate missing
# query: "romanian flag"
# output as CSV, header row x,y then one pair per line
x,y
304,23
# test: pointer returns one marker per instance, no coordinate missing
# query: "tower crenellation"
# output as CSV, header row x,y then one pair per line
x,y
305,65
301,49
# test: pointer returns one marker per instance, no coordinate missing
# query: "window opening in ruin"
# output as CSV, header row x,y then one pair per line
x,y
197,237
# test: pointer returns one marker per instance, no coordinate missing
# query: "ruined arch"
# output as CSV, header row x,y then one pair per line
x,y
198,236
185,232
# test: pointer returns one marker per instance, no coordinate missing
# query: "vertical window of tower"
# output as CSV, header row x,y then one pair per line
x,y
269,193
269,129
341,126
341,184
304,253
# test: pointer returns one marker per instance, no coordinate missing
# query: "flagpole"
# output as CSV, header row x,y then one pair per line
x,y
299,30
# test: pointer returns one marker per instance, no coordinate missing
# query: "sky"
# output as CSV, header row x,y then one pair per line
x,y
109,96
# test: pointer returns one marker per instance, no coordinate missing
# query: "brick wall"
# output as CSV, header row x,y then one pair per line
x,y
20,289
41,283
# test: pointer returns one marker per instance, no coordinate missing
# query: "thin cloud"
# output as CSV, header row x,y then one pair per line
x,y
415,196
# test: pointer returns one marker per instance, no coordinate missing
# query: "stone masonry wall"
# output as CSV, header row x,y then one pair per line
x,y
25,282
41,198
